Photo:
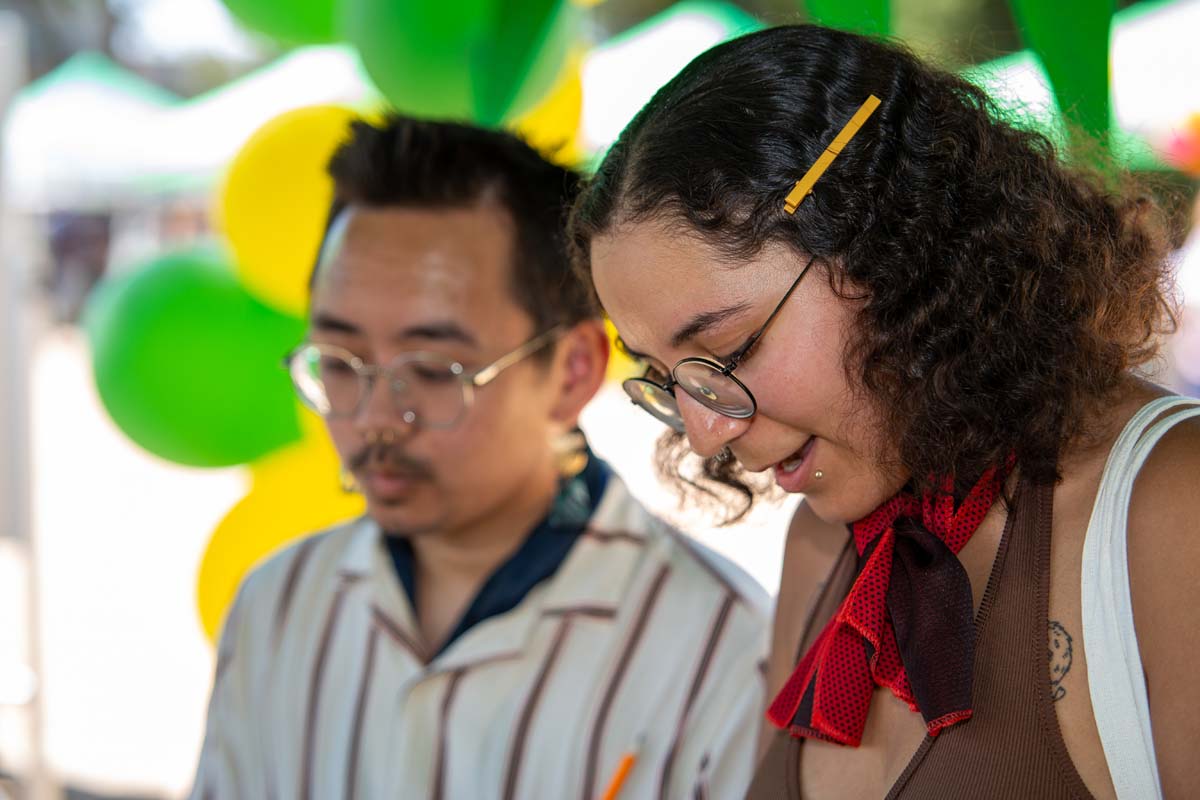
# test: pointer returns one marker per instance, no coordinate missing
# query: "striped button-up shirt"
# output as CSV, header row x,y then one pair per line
x,y
642,644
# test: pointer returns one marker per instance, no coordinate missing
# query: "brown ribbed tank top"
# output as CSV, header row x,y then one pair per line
x,y
1011,747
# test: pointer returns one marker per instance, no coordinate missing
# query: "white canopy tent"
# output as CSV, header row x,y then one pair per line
x,y
72,139
93,134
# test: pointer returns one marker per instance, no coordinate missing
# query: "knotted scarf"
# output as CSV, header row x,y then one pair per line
x,y
907,622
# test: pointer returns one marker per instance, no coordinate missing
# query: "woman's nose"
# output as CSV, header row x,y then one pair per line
x,y
708,431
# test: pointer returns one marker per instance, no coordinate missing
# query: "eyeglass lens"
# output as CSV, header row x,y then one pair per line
x,y
429,387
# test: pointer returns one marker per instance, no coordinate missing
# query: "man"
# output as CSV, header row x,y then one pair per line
x,y
506,621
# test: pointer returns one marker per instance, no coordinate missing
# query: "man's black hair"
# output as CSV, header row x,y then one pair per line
x,y
407,162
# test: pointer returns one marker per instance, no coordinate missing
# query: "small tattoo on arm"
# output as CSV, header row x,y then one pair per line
x,y
1060,659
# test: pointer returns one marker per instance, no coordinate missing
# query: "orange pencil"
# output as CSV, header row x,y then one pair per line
x,y
623,769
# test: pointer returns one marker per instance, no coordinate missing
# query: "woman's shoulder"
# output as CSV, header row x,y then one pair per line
x,y
1163,547
1164,524
810,553
1166,491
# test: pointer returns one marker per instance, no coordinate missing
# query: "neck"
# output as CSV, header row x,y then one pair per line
x,y
452,565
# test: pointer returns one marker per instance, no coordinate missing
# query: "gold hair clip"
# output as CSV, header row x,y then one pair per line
x,y
805,184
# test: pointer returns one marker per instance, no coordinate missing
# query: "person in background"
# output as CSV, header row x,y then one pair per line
x,y
506,621
843,267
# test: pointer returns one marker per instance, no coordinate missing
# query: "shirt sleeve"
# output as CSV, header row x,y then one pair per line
x,y
230,767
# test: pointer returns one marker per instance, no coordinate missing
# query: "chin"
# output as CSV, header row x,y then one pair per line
x,y
402,521
848,504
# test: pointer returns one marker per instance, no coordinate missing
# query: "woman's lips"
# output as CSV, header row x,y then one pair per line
x,y
794,473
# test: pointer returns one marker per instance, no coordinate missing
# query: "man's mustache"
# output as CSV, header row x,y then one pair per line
x,y
391,456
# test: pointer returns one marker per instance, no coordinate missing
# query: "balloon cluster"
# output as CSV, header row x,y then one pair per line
x,y
484,61
187,348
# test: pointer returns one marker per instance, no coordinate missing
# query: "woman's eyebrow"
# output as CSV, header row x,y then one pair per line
x,y
704,322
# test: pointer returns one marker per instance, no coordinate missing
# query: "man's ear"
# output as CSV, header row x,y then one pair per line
x,y
583,360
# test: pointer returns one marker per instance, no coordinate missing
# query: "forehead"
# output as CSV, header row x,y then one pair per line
x,y
652,279
395,261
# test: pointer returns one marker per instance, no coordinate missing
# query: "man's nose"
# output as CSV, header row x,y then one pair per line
x,y
383,407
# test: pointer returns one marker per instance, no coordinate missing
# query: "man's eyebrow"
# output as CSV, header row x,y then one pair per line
x,y
327,322
704,322
444,331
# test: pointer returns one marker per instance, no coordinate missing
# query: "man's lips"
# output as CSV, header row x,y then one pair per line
x,y
386,483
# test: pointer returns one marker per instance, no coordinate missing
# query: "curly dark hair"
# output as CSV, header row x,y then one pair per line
x,y
1005,293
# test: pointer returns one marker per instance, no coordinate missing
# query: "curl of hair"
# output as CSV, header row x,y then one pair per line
x,y
1004,293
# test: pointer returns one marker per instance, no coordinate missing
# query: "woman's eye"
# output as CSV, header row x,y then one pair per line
x,y
740,352
655,375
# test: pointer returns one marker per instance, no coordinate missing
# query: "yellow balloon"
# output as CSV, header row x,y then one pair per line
x,y
552,126
620,366
293,492
275,198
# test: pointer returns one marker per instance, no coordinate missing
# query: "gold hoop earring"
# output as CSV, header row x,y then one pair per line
x,y
570,453
347,482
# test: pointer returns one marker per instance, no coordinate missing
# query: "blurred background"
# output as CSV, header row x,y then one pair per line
x,y
161,198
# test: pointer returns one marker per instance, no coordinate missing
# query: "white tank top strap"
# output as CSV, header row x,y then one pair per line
x,y
1115,678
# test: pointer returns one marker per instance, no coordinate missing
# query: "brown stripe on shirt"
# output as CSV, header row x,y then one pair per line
x,y
605,537
360,710
610,692
439,761
289,585
314,695
714,637
598,612
693,549
531,702
398,635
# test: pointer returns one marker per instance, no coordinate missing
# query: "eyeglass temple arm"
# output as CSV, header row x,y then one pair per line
x,y
736,357
489,373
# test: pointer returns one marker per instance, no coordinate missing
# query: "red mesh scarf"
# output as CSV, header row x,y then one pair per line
x,y
907,622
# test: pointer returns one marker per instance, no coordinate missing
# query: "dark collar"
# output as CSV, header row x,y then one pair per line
x,y
537,559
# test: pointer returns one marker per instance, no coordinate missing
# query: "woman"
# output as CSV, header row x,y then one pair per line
x,y
920,318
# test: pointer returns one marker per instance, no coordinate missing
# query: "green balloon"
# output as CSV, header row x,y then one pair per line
x,y
187,362
1071,37
294,21
481,61
860,16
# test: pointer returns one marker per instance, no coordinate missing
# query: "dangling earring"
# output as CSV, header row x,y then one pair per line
x,y
347,482
570,453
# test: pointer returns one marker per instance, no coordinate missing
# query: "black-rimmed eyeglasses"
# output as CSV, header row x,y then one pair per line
x,y
708,382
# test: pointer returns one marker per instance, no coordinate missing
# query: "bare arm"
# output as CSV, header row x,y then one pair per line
x,y
1164,566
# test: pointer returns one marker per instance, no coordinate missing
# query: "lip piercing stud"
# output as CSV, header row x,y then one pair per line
x,y
818,474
